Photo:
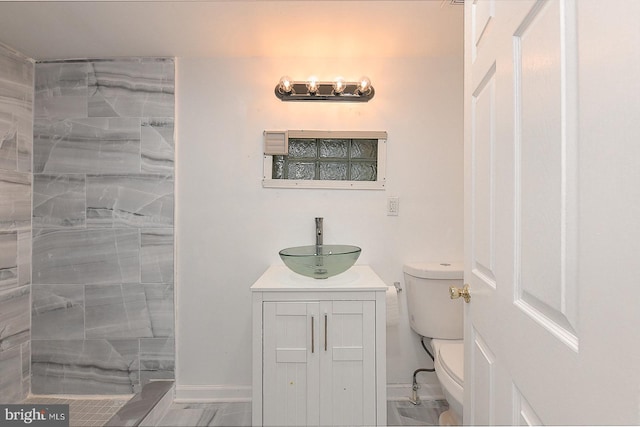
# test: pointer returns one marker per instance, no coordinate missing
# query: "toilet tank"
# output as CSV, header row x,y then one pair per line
x,y
432,313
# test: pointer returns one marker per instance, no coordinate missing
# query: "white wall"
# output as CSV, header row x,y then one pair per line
x,y
229,228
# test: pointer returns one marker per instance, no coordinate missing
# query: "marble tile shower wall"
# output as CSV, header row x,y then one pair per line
x,y
103,203
16,142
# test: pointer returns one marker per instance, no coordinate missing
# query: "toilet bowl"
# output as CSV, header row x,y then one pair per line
x,y
449,365
433,314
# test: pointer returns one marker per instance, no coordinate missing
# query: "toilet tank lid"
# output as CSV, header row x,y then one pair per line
x,y
435,270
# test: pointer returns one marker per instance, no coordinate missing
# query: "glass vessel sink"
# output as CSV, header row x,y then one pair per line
x,y
320,261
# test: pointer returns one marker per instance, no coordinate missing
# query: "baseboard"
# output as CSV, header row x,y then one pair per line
x,y
397,392
213,393
241,393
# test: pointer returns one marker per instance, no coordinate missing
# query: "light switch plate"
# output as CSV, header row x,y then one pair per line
x,y
393,206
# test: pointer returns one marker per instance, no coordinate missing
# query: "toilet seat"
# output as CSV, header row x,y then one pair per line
x,y
452,358
449,365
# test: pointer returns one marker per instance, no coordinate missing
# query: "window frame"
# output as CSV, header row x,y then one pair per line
x,y
378,184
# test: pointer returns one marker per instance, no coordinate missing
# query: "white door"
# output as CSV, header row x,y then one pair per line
x,y
552,212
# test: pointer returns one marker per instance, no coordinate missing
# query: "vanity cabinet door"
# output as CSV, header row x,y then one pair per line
x,y
319,363
291,350
348,363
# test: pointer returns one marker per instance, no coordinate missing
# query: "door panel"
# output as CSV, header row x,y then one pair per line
x,y
484,384
482,13
544,52
523,414
347,368
483,190
344,354
290,373
291,355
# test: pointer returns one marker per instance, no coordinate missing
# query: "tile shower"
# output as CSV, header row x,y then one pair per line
x,y
16,123
102,311
99,238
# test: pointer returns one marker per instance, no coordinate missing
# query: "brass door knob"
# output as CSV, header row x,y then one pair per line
x,y
455,293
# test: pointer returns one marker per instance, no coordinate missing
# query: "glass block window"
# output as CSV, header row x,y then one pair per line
x,y
329,160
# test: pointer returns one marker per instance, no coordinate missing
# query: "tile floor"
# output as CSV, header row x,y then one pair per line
x,y
400,413
96,412
405,413
207,414
84,412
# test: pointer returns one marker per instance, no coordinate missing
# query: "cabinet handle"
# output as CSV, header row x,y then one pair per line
x,y
326,332
312,334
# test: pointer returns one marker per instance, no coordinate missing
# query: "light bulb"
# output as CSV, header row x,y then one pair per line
x,y
312,85
364,85
338,86
285,85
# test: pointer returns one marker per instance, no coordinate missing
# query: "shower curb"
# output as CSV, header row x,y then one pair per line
x,y
141,409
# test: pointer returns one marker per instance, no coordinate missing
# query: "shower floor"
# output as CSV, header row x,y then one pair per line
x,y
84,411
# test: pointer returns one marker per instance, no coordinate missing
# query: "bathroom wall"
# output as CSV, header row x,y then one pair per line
x,y
102,306
16,146
229,229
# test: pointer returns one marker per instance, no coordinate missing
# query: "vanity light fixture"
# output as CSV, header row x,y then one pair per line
x,y
314,90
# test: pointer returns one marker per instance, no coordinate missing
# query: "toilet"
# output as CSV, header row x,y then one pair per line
x,y
433,314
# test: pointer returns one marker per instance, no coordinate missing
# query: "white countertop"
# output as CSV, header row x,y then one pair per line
x,y
280,278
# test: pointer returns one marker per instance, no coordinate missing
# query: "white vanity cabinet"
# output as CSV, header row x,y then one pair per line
x,y
319,349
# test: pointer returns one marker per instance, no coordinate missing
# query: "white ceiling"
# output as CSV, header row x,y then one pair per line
x,y
236,28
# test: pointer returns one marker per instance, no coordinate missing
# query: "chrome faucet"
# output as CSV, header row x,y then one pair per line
x,y
318,231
